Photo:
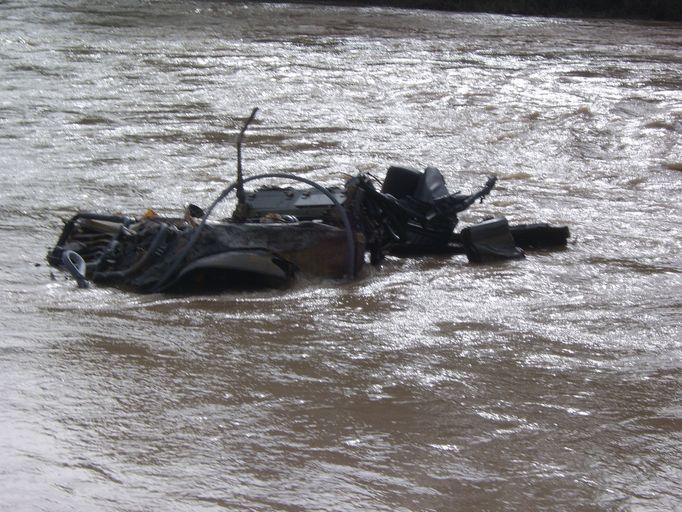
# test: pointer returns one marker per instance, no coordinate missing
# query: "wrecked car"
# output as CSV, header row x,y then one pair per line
x,y
278,233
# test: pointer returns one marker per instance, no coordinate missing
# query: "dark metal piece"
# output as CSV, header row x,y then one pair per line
x,y
489,241
241,198
75,264
540,235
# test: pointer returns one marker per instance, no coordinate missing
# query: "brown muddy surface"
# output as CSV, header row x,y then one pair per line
x,y
551,383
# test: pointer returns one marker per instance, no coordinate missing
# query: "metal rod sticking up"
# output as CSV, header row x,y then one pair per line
x,y
240,210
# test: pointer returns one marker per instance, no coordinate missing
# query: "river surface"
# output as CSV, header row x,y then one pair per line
x,y
429,384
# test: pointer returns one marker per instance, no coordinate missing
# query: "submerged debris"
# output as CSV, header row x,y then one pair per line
x,y
276,234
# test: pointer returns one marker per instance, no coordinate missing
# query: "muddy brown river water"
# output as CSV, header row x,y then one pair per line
x,y
429,384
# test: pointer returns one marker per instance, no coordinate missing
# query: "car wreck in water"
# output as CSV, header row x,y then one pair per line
x,y
276,234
